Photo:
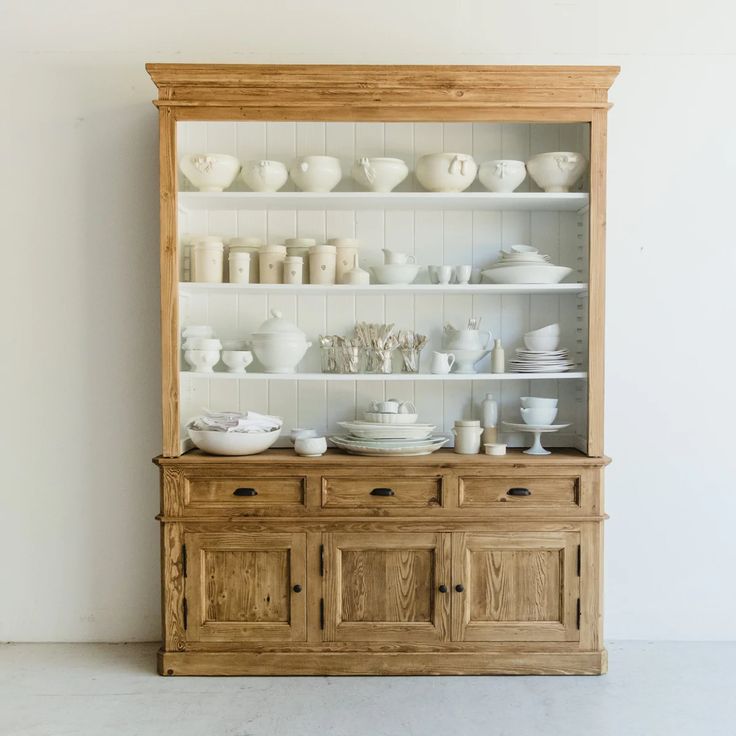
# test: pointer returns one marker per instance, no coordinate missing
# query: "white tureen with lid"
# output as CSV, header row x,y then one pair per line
x,y
278,344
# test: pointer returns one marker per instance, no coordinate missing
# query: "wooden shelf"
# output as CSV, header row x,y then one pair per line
x,y
387,377
499,289
538,201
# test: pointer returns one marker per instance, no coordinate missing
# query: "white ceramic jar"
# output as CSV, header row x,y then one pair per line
x,y
347,251
207,259
278,344
502,175
446,172
210,172
322,264
316,173
380,174
467,437
251,246
300,247
271,264
264,175
293,269
238,267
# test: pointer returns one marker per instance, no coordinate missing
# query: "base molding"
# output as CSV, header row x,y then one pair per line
x,y
375,663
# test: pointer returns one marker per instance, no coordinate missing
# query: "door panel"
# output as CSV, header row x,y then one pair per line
x,y
385,587
240,587
516,586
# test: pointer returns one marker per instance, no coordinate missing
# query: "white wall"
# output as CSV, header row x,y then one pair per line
x,y
78,542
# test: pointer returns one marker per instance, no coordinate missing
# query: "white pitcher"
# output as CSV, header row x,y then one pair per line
x,y
391,257
442,362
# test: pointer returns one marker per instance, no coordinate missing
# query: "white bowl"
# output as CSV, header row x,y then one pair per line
x,y
395,273
264,175
210,172
279,354
556,171
237,360
501,175
446,172
526,274
553,329
233,443
539,415
537,402
542,342
202,361
310,446
380,174
465,360
316,173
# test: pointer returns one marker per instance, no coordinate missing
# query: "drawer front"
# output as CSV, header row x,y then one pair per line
x,y
517,493
246,492
381,493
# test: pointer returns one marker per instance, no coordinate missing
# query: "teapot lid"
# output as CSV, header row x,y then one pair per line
x,y
278,325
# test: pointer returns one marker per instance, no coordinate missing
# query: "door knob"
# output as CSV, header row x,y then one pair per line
x,y
297,588
443,589
459,588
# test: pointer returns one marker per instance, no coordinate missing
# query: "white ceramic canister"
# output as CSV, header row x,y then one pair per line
x,y
207,259
271,264
467,437
300,247
293,269
238,264
347,250
252,246
357,276
322,264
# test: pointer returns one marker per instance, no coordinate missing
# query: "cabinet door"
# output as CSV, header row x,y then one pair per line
x,y
384,587
243,587
515,586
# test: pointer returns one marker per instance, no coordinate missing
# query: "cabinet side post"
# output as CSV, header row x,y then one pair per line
x,y
169,285
597,290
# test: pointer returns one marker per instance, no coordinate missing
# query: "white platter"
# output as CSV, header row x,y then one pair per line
x,y
378,431
378,418
372,449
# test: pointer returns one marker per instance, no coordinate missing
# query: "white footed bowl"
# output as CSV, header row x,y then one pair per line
x,y
316,173
556,171
502,175
446,172
537,402
202,361
264,175
210,172
465,360
233,443
539,415
380,174
237,360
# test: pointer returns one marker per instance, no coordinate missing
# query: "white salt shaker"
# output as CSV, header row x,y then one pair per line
x,y
239,267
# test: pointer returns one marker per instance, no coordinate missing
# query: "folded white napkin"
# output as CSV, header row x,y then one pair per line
x,y
231,421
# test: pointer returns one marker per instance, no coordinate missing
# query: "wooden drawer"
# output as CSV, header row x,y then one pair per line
x,y
519,492
246,492
381,493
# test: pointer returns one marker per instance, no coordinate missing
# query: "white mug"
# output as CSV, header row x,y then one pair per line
x,y
462,274
442,362
444,274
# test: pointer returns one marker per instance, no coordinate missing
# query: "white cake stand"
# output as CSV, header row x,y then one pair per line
x,y
537,430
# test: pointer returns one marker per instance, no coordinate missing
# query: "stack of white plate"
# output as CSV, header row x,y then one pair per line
x,y
541,361
523,264
380,438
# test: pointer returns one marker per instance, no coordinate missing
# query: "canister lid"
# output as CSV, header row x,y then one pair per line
x,y
300,242
344,242
323,249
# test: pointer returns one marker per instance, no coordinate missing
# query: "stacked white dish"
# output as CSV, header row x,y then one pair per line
x,y
542,353
524,264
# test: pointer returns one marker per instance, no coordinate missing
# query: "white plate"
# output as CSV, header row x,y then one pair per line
x,y
408,449
371,431
378,418
521,427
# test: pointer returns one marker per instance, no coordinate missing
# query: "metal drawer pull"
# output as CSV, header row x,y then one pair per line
x,y
443,589
383,492
245,492
459,587
297,588
519,492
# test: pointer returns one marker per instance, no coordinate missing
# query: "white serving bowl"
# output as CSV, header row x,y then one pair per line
x,y
539,415
556,171
233,443
537,402
446,172
395,273
279,354
501,175
526,274
210,172
380,174
465,360
264,175
316,173
202,361
542,342
237,360
553,329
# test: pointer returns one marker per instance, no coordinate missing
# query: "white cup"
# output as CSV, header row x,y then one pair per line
x,y
310,446
432,273
444,274
462,274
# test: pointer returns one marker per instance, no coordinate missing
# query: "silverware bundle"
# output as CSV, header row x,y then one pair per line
x,y
411,345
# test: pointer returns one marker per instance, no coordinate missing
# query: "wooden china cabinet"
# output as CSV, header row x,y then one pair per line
x,y
442,564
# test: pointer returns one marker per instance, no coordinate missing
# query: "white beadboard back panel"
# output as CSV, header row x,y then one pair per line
x,y
433,237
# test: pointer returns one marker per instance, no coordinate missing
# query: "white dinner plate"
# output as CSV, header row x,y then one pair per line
x,y
373,431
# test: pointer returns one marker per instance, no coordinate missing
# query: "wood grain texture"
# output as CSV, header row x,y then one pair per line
x,y
481,492
356,492
221,492
172,585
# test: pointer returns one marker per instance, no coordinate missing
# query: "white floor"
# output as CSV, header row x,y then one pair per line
x,y
651,689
